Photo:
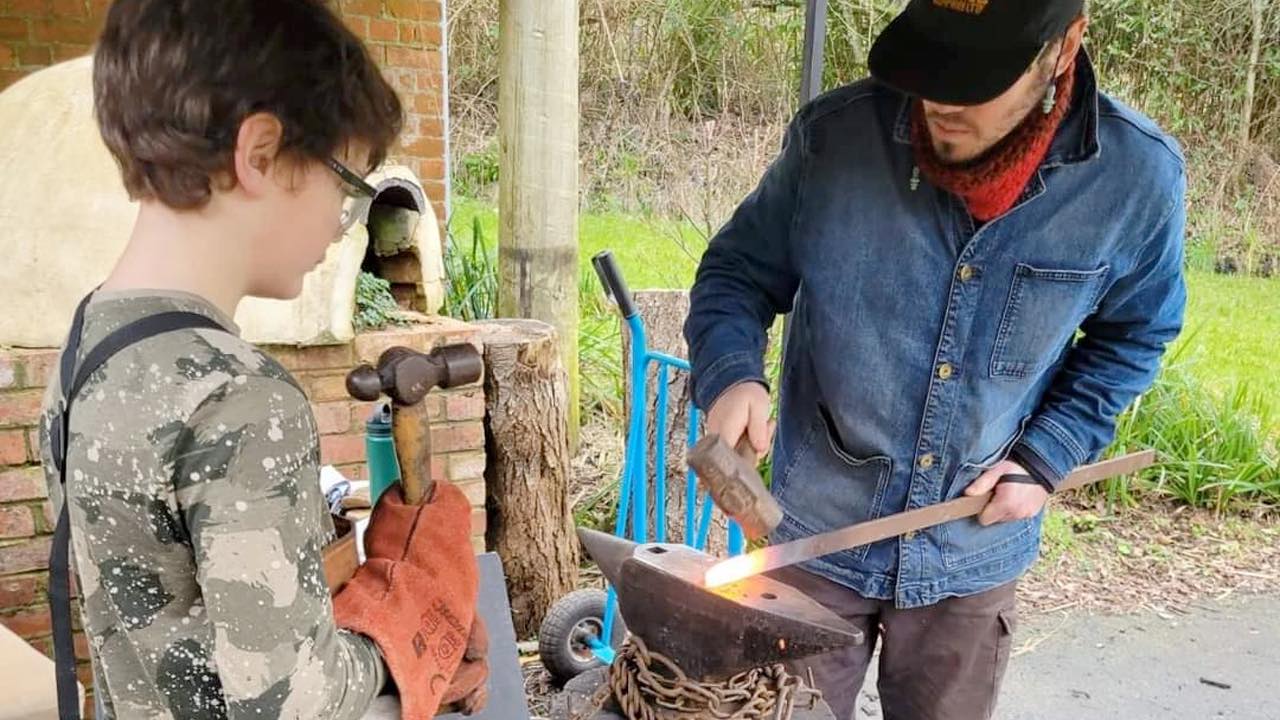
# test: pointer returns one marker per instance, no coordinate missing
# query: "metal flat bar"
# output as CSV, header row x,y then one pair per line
x,y
816,546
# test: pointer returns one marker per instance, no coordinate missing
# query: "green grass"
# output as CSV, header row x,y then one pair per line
x,y
653,252
1233,331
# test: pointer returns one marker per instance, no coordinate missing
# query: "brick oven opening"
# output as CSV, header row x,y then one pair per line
x,y
392,255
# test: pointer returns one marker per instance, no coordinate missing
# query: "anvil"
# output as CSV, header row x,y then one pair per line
x,y
712,634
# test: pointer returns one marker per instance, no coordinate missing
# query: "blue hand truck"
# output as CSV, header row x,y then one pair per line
x,y
583,629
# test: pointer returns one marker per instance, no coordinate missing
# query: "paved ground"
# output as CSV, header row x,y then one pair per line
x,y
1144,667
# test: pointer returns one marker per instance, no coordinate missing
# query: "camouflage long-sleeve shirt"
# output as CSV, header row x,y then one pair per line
x,y
197,528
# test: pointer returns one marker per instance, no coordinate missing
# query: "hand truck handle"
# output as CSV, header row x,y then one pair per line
x,y
611,278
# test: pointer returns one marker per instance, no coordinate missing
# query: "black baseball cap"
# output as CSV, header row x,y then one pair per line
x,y
966,52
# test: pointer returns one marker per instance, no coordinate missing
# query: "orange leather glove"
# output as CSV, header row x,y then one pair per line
x,y
469,692
415,596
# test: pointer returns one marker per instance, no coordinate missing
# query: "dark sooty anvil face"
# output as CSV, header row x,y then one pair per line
x,y
712,633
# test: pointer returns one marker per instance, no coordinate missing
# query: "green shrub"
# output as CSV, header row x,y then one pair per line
x,y
376,307
472,277
1215,450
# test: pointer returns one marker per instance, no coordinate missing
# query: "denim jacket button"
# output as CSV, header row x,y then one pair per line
x,y
966,273
945,371
926,461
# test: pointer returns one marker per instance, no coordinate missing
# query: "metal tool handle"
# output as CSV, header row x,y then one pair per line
x,y
611,278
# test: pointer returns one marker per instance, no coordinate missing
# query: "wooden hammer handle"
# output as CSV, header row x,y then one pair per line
x,y
412,433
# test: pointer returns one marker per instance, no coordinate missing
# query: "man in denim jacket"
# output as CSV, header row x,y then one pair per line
x,y
982,258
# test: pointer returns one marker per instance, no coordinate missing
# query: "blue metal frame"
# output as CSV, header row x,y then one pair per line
x,y
633,497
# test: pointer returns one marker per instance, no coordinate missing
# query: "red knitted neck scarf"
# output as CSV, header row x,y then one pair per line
x,y
992,184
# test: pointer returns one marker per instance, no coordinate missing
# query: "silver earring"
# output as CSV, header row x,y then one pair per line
x,y
915,178
1050,98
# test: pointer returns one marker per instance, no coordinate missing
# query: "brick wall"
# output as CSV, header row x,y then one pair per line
x,y
26,518
404,36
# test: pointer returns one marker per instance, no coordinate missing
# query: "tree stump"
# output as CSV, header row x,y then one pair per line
x,y
663,313
530,524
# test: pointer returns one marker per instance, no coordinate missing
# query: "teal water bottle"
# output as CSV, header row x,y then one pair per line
x,y
380,451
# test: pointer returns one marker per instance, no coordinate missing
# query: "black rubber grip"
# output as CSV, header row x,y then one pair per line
x,y
611,277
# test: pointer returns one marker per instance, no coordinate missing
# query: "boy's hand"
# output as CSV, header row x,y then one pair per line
x,y
1012,501
743,408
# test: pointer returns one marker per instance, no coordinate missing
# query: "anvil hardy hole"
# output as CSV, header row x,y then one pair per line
x,y
658,550
768,596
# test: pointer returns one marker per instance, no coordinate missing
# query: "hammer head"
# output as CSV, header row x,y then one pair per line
x,y
406,375
712,634
735,486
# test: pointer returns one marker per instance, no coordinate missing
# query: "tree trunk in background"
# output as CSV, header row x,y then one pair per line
x,y
538,172
530,524
1251,76
663,313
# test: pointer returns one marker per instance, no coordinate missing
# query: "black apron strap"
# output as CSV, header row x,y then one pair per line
x,y
72,379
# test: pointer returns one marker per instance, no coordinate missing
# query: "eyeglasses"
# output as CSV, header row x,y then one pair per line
x,y
360,194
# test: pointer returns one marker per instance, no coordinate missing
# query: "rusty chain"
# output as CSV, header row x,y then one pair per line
x,y
649,686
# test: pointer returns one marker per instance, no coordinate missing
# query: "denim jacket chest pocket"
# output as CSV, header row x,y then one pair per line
x,y
1044,308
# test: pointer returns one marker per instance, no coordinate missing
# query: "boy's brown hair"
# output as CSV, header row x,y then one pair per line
x,y
173,79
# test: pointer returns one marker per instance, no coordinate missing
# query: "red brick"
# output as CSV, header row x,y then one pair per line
x,y
340,449
326,388
25,556
425,148
24,483
13,448
33,445
362,7
430,125
82,645
409,9
19,591
426,103
439,466
381,30
466,406
29,7
333,418
359,25
14,29
29,623
70,8
432,167
320,357
35,56
21,407
371,345
467,466
9,77
425,35
407,57
64,51
44,645
478,521
84,673
354,471
429,78
474,490
455,438
16,522
9,369
434,192
37,366
82,32
50,519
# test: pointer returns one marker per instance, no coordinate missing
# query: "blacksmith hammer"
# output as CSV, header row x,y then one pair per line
x,y
406,376
735,485
712,634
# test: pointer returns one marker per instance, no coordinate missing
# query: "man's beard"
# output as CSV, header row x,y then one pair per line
x,y
949,153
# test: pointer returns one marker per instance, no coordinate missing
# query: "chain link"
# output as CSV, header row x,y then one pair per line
x,y
649,686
